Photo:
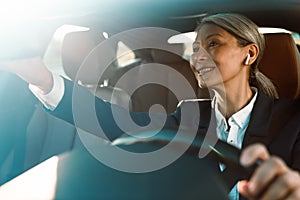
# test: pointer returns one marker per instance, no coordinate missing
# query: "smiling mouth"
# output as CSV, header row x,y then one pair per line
x,y
205,70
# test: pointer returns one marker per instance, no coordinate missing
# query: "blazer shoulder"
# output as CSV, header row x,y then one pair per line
x,y
287,104
193,105
194,112
200,102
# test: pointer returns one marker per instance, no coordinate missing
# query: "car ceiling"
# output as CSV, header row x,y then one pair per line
x,y
114,16
181,15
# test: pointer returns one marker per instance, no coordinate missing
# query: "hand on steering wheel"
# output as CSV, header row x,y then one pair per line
x,y
273,179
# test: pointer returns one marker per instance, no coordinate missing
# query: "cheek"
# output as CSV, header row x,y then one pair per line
x,y
227,63
218,56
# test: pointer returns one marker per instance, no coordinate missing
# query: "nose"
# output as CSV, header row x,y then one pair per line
x,y
198,57
201,54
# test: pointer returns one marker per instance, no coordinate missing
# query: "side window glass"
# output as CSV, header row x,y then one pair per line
x,y
125,56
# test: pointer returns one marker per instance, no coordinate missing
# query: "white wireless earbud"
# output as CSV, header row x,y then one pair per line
x,y
247,59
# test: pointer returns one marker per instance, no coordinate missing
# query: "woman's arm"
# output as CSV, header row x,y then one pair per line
x,y
81,108
32,70
86,111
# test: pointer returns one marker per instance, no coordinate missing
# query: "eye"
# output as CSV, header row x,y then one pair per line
x,y
212,44
196,48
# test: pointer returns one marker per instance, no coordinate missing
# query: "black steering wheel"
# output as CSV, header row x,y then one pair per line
x,y
220,152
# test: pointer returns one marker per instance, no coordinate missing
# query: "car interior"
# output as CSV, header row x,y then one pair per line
x,y
32,136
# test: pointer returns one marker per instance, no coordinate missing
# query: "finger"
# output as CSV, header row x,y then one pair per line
x,y
295,195
265,174
282,186
243,189
253,153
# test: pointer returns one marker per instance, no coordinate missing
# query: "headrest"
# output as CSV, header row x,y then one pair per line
x,y
281,63
75,47
168,57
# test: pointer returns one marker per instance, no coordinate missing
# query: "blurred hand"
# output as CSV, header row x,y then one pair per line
x,y
273,179
25,38
32,70
22,44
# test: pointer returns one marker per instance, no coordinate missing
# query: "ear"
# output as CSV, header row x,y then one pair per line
x,y
252,54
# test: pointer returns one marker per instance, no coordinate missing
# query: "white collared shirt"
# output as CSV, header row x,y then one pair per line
x,y
238,123
234,134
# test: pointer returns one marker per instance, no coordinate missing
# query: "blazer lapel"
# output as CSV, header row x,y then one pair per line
x,y
260,121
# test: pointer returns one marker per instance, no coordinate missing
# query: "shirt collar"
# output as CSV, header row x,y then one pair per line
x,y
241,117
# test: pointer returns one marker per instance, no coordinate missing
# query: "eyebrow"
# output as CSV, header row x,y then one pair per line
x,y
212,35
209,36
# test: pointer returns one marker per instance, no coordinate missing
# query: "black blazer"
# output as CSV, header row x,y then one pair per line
x,y
275,123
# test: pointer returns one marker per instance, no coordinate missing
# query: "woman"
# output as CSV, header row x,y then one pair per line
x,y
244,104
235,46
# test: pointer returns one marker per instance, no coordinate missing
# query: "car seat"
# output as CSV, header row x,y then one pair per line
x,y
281,63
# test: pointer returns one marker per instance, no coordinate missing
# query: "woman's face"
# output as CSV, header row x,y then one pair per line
x,y
217,58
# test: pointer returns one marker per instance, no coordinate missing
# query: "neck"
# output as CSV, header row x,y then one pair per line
x,y
233,99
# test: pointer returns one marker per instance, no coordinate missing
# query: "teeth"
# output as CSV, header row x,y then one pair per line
x,y
205,70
